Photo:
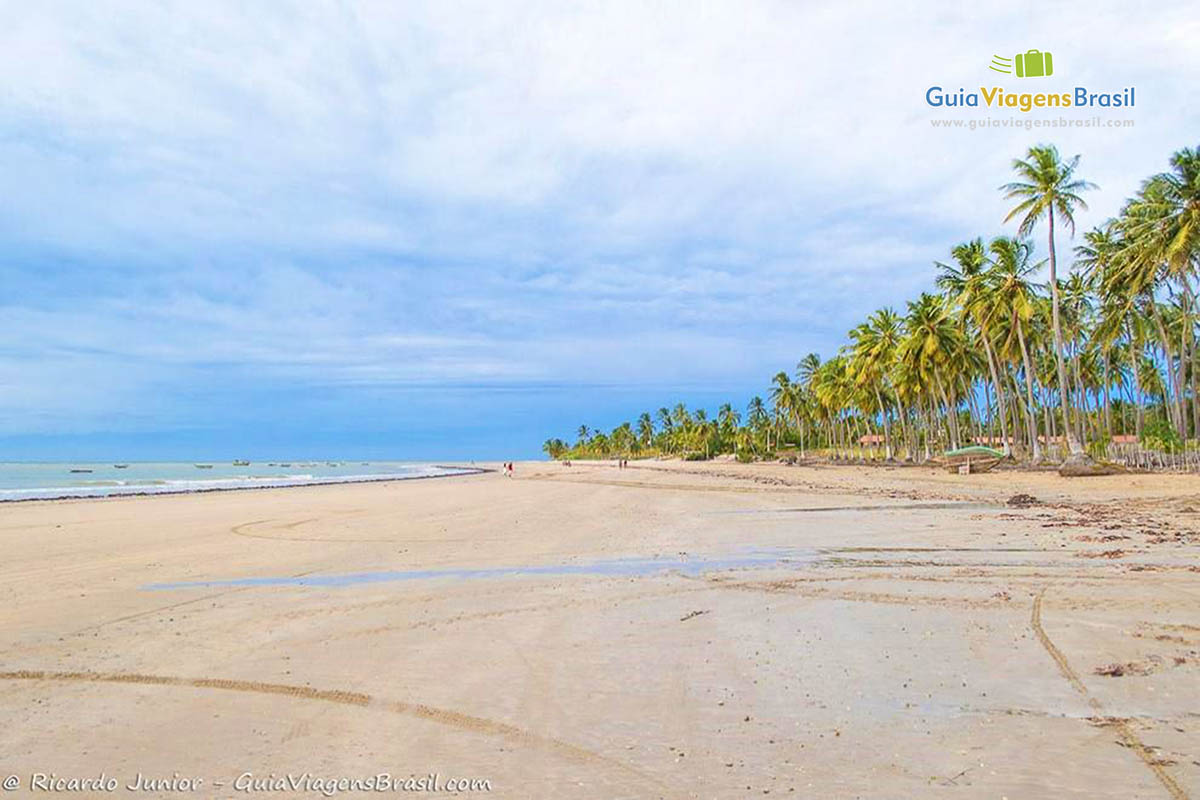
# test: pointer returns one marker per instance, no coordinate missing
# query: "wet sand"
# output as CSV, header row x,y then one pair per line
x,y
668,630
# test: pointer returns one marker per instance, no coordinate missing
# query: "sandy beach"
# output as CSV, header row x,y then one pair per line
x,y
666,630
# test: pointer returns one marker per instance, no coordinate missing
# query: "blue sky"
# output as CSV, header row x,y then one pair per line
x,y
452,230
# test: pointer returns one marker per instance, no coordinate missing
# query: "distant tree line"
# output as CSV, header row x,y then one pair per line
x,y
1041,370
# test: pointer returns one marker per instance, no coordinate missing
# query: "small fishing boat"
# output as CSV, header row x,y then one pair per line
x,y
120,466
971,460
240,463
203,466
81,470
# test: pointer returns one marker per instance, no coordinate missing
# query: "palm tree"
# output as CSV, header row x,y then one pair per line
x,y
1047,186
1161,229
704,429
728,420
875,343
807,367
797,405
967,286
1013,297
645,429
667,426
930,348
756,415
1117,334
833,388
781,397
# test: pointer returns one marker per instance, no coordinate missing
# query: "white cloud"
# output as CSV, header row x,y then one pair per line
x,y
389,192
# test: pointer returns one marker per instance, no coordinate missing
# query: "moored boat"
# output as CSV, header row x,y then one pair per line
x,y
973,459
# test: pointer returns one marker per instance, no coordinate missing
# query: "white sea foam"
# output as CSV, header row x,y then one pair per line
x,y
28,482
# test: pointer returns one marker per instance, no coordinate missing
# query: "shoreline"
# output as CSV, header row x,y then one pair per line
x,y
459,472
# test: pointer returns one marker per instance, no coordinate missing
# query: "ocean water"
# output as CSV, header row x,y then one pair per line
x,y
29,481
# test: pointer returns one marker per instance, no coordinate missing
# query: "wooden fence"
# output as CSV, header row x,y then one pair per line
x,y
1135,456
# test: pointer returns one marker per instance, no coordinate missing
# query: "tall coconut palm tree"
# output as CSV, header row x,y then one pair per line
x,y
807,367
967,286
781,397
1012,295
1046,186
756,415
873,353
932,344
728,420
1161,227
797,404
645,429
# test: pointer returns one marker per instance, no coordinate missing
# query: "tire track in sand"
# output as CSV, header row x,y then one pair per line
x,y
1124,731
441,716
169,607
241,530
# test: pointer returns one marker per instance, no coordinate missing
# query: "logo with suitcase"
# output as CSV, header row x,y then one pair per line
x,y
1030,64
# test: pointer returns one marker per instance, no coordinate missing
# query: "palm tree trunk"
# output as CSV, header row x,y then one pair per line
x,y
1134,348
973,412
1076,449
1189,306
1083,425
1036,444
991,359
1051,420
1181,379
955,431
1108,426
929,431
887,428
1174,409
952,426
991,417
1017,420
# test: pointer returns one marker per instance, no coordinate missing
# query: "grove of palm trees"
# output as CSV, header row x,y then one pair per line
x,y
1044,371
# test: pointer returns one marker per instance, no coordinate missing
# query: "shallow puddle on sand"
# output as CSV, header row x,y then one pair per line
x,y
687,565
617,568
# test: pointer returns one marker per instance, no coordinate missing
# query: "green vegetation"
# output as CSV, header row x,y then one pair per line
x,y
1041,370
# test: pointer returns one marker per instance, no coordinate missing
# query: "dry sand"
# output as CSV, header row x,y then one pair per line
x,y
812,632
